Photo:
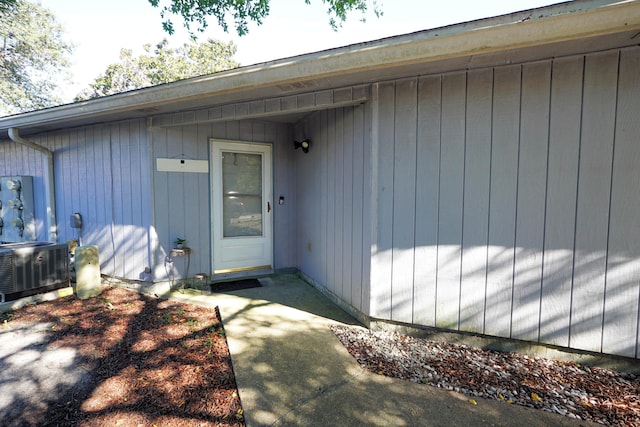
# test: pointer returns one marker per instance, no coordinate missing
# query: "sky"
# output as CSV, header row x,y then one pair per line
x,y
99,29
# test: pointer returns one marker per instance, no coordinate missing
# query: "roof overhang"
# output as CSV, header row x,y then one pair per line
x,y
559,30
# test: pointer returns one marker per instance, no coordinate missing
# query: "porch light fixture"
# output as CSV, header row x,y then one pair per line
x,y
304,144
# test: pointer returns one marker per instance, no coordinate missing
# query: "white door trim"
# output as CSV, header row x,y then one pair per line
x,y
238,254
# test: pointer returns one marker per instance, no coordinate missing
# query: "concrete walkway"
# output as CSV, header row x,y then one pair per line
x,y
291,370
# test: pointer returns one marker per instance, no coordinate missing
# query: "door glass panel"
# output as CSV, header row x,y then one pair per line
x,y
242,194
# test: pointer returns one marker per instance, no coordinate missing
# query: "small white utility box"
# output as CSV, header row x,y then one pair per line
x,y
87,266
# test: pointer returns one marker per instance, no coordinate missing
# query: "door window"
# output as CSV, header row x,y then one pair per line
x,y
242,194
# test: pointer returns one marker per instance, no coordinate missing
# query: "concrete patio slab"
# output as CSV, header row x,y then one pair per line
x,y
291,370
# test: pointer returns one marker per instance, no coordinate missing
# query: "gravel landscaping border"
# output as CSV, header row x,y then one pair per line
x,y
584,393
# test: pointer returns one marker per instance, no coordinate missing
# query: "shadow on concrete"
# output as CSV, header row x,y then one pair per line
x,y
292,370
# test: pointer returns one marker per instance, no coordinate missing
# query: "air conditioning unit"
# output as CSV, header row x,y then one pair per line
x,y
31,268
7,276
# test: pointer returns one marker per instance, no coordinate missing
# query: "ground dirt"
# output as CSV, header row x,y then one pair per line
x,y
124,359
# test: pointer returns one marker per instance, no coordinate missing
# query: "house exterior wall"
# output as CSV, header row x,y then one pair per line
x,y
16,159
102,172
502,201
508,200
132,212
333,203
182,200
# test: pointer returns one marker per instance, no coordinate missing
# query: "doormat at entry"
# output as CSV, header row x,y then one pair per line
x,y
236,285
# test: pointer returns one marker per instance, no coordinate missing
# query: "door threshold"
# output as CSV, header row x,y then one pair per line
x,y
230,275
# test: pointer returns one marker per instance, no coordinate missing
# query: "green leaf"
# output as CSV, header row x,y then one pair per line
x,y
243,12
161,64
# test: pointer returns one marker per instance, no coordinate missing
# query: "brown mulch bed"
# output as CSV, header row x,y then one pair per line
x,y
149,361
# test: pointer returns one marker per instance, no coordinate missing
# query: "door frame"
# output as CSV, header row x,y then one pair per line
x,y
216,209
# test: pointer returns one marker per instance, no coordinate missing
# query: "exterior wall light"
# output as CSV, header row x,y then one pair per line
x,y
304,144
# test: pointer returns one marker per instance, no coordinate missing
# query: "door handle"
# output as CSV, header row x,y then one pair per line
x,y
268,207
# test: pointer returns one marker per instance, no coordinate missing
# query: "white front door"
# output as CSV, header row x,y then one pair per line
x,y
241,206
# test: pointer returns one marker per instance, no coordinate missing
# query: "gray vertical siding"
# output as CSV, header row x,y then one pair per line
x,y
507,201
623,269
593,203
404,190
284,250
501,201
475,226
451,201
332,195
531,197
382,163
132,212
560,218
182,200
102,172
427,196
18,160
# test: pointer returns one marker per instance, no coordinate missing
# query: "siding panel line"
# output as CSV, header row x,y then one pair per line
x,y
340,206
382,258
464,182
577,189
486,266
451,195
562,181
357,212
347,203
620,328
531,200
593,200
476,200
427,199
505,131
607,277
515,229
404,183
